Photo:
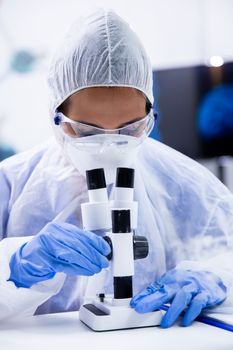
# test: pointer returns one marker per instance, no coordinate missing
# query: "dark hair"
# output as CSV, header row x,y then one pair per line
x,y
148,106
63,106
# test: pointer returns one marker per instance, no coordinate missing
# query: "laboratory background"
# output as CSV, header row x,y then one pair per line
x,y
191,50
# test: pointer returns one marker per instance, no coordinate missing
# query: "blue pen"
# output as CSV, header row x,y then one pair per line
x,y
207,320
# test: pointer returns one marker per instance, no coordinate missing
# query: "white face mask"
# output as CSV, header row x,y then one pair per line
x,y
102,151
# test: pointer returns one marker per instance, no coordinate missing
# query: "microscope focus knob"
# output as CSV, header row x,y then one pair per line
x,y
108,240
140,247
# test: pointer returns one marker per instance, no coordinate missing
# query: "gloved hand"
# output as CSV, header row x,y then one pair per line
x,y
58,248
195,290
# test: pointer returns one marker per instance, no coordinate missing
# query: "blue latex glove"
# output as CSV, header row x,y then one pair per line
x,y
58,248
194,290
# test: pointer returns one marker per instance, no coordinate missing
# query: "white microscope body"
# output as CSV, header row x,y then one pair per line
x,y
105,313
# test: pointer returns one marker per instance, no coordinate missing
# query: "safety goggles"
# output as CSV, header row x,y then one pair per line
x,y
76,129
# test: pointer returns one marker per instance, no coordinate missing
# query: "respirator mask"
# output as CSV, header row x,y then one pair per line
x,y
89,147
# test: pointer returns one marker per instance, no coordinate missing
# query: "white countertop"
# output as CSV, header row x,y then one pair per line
x,y
64,331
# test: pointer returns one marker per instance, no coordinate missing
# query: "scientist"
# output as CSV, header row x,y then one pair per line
x,y
101,110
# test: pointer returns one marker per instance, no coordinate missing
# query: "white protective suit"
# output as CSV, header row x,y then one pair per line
x,y
184,211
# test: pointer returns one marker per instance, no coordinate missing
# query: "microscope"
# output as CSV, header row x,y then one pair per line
x,y
118,220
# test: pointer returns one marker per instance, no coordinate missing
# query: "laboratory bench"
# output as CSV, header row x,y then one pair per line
x,y
64,331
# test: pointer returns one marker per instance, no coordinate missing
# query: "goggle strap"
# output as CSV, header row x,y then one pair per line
x,y
155,115
57,120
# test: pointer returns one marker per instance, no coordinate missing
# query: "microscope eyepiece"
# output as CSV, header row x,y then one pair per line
x,y
95,179
125,177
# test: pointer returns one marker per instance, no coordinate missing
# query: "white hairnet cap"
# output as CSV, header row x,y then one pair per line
x,y
99,50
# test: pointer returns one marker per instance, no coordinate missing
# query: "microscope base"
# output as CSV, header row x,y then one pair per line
x,y
102,316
